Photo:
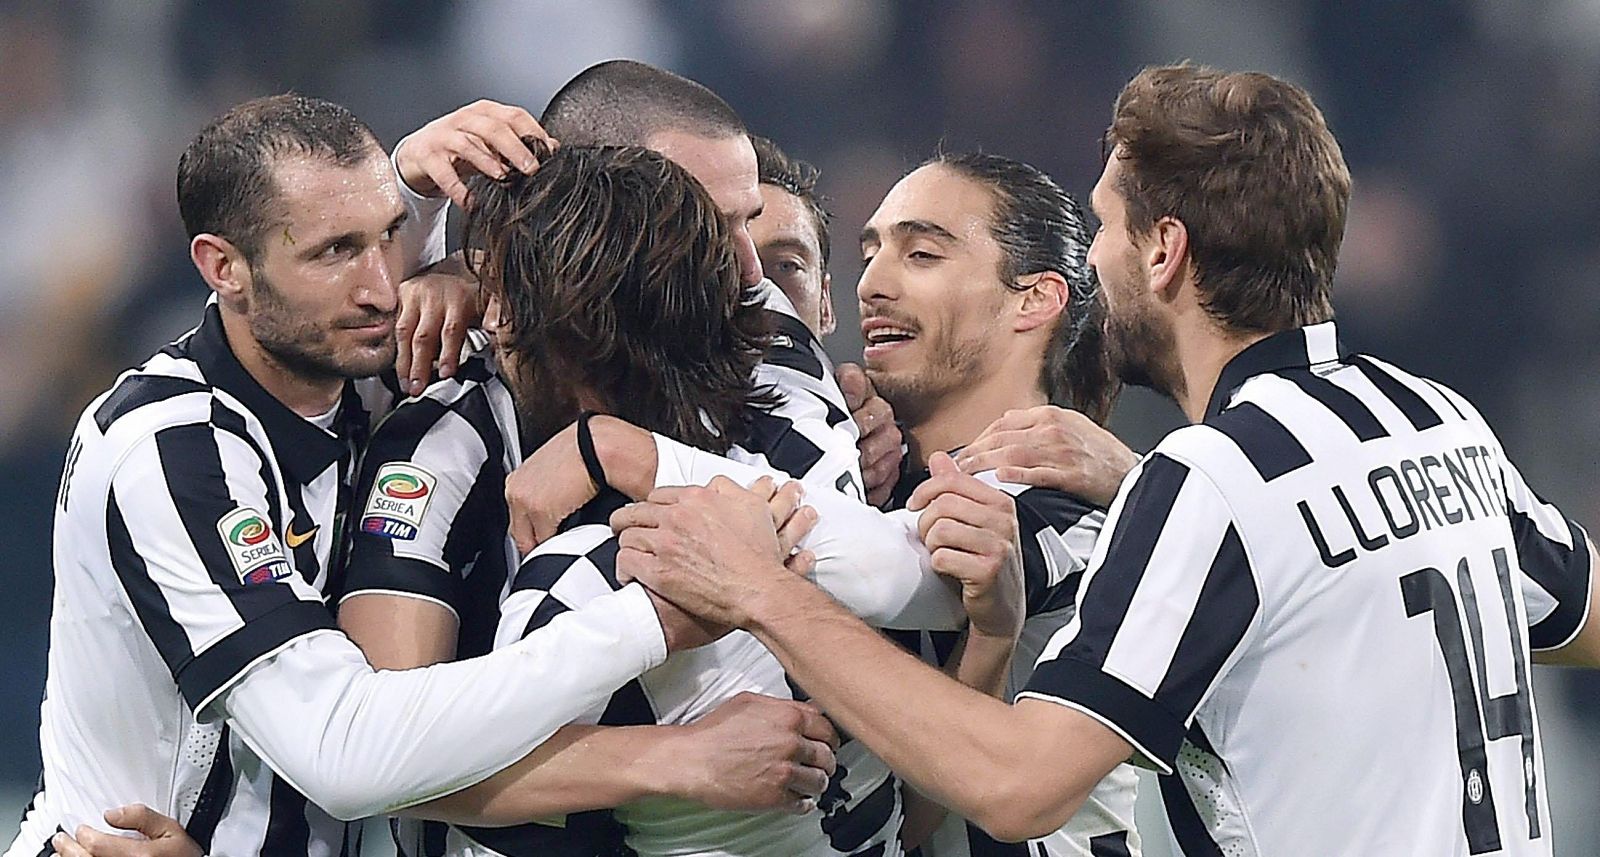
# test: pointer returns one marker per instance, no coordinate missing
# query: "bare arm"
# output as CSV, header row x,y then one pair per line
x,y
1018,771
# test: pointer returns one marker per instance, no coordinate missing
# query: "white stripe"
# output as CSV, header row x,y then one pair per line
x,y
1322,342
1164,604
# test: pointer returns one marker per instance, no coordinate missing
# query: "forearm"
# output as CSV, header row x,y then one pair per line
x,y
981,663
580,768
956,745
359,742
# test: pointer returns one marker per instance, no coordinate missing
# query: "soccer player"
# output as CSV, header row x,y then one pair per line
x,y
1315,608
193,664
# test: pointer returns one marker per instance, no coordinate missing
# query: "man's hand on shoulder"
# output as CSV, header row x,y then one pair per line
x,y
158,836
484,137
1051,447
711,551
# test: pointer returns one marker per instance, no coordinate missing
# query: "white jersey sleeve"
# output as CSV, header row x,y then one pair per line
x,y
1557,573
360,742
872,561
422,236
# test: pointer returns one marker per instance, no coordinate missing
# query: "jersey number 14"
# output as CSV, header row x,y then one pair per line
x,y
1479,716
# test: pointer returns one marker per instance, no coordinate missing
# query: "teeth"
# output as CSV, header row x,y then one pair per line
x,y
884,334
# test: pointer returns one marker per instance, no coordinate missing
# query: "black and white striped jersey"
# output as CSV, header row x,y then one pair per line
x,y
194,527
1314,613
1057,532
431,521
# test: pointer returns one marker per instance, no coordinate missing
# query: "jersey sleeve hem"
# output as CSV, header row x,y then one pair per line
x,y
1153,731
1559,628
401,593
371,571
223,662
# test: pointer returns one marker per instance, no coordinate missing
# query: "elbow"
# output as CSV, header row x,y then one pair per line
x,y
1020,811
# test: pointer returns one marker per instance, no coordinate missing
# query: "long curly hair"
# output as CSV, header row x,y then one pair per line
x,y
617,279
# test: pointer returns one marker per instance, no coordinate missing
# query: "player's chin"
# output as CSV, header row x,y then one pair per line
x,y
364,360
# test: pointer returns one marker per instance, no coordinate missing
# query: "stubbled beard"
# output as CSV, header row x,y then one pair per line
x,y
1143,352
916,395
302,346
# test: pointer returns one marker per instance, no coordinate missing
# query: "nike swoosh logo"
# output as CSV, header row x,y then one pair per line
x,y
296,540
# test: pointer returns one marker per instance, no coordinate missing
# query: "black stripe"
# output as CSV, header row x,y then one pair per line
x,y
1561,571
1272,449
1041,511
1444,394
226,658
474,369
49,848
138,391
1152,726
1227,604
797,353
306,561
541,571
1417,411
981,844
586,834
549,608
287,829
1110,845
1343,403
784,446
849,828
233,423
215,795
1143,516
402,574
629,706
149,603
1187,827
192,465
474,408
835,415
604,558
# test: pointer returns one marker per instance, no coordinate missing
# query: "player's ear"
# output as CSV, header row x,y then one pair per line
x,y
224,268
1167,256
826,321
1043,300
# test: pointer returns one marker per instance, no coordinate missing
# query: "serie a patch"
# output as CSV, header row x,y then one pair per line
x,y
399,498
253,548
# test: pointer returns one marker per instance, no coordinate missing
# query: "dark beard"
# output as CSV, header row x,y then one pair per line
x,y
302,346
1144,355
916,396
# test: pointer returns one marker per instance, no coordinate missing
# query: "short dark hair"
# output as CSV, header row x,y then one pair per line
x,y
1247,163
797,178
1041,227
624,102
225,180
617,275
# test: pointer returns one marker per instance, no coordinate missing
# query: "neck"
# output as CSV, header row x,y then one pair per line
x,y
305,395
961,415
1203,349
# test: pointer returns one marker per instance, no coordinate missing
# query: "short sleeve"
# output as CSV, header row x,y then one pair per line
x,y
431,499
1557,571
1167,606
193,532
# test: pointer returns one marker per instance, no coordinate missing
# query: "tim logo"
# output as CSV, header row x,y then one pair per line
x,y
257,557
400,496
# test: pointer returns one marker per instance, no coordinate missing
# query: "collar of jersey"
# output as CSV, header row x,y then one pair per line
x,y
311,448
1287,349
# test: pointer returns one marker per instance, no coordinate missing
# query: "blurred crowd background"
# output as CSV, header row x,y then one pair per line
x,y
1470,127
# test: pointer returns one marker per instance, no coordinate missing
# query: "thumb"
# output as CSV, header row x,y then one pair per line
x,y
853,383
141,818
941,464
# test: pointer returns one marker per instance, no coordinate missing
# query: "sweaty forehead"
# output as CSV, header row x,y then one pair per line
x,y
725,166
941,196
318,195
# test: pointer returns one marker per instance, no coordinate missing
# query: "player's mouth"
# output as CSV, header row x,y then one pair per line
x,y
884,336
382,326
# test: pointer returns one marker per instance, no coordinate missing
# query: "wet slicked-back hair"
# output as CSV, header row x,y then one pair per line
x,y
1041,227
225,180
624,102
616,275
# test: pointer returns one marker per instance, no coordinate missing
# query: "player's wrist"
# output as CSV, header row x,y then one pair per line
x,y
667,764
627,453
779,602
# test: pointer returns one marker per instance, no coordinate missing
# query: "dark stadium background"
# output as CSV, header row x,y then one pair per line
x,y
1470,126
